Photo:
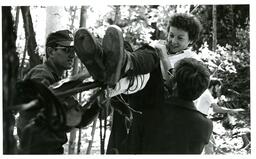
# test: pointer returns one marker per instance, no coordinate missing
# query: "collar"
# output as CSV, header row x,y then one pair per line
x,y
175,53
175,101
188,49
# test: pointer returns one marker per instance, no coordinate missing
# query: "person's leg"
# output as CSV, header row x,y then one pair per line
x,y
142,61
125,63
115,57
114,62
90,53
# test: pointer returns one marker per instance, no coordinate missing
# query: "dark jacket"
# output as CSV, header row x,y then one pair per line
x,y
38,138
175,127
144,60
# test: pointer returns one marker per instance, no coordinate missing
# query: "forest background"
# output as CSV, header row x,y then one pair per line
x,y
224,47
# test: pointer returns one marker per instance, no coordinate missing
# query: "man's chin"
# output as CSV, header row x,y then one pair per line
x,y
68,67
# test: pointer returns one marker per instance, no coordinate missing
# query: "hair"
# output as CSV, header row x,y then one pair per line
x,y
188,23
214,82
51,45
192,78
53,39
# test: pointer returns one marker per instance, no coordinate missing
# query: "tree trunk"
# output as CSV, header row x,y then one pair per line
x,y
72,143
214,28
73,15
75,71
117,14
88,151
22,61
17,19
79,141
72,138
34,58
10,72
57,18
72,11
232,16
83,16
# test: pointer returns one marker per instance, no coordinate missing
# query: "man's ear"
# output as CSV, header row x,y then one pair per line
x,y
49,51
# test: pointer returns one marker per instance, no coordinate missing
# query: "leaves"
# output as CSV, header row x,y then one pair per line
x,y
142,24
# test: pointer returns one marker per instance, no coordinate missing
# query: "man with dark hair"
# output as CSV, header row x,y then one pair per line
x,y
192,78
215,85
176,126
36,136
207,104
208,99
59,53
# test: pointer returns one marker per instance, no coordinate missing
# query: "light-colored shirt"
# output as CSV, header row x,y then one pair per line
x,y
174,58
204,102
125,86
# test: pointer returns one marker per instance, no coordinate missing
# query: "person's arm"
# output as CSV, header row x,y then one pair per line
x,y
165,63
80,77
40,74
218,109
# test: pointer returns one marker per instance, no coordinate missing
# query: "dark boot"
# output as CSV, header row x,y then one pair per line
x,y
90,53
114,55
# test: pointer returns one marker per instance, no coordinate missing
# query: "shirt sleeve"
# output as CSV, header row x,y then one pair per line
x,y
126,86
40,75
203,103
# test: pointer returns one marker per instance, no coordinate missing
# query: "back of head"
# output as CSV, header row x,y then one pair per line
x,y
192,78
188,23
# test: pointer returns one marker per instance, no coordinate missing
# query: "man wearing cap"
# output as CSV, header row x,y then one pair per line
x,y
59,53
40,138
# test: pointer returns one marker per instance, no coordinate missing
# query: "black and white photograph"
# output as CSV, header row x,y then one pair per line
x,y
162,79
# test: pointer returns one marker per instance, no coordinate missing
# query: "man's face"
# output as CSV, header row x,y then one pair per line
x,y
216,91
63,57
177,40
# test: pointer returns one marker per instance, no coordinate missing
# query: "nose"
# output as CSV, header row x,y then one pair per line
x,y
172,40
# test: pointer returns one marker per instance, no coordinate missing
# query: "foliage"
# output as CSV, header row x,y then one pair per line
x,y
232,65
230,18
230,62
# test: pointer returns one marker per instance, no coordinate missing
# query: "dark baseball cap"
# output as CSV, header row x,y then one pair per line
x,y
61,37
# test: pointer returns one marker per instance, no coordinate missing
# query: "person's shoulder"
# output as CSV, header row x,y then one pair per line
x,y
206,94
39,72
203,118
179,104
40,69
191,54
